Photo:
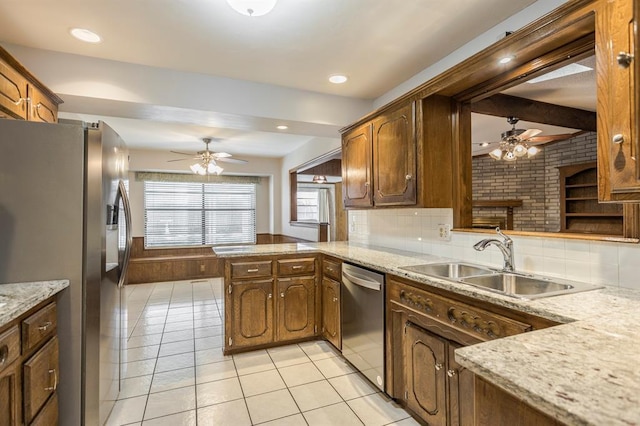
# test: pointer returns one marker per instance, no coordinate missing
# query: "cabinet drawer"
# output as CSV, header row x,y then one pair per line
x,y
13,92
38,327
296,266
49,414
9,346
40,374
250,269
332,269
479,324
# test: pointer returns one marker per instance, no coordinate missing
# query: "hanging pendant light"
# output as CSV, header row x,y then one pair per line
x,y
252,7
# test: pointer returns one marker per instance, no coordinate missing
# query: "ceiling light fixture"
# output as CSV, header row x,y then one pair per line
x,y
319,179
282,127
85,35
338,78
514,143
252,8
506,59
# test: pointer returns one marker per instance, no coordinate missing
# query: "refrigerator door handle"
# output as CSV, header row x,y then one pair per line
x,y
122,194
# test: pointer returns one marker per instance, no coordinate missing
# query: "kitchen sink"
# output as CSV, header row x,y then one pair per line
x,y
449,270
526,286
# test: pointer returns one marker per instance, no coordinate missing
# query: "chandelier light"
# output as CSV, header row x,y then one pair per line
x,y
252,7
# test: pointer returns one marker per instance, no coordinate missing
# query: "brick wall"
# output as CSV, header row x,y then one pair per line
x,y
535,181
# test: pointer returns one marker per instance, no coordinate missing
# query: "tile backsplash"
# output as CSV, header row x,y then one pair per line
x,y
417,230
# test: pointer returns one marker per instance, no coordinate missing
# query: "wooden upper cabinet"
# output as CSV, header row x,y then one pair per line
x,y
356,167
23,96
617,82
394,157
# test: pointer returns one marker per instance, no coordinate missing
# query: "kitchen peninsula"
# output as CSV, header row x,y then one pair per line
x,y
565,371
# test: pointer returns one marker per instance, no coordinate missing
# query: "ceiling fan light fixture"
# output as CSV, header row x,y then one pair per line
x,y
496,154
532,151
252,8
520,150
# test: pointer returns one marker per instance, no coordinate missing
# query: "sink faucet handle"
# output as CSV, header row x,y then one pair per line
x,y
506,238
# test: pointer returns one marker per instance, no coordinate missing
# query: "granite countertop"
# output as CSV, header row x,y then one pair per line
x,y
18,298
583,372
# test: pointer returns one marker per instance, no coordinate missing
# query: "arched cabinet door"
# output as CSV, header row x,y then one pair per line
x,y
357,187
296,308
252,303
331,312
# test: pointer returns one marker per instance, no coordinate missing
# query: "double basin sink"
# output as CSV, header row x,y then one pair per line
x,y
513,284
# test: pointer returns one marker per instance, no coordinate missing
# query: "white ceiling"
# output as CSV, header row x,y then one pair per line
x,y
377,43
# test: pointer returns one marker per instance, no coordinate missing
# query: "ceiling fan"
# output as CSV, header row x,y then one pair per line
x,y
516,143
206,161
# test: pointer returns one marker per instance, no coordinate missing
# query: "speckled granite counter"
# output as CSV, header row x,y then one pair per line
x,y
16,299
584,372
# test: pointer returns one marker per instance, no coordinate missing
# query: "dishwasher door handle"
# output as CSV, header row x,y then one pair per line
x,y
362,282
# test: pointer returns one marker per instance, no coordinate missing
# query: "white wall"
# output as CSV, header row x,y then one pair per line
x,y
268,191
416,230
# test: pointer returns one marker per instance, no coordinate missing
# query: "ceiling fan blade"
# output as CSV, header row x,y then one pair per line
x,y
551,138
231,160
221,155
178,159
181,153
529,133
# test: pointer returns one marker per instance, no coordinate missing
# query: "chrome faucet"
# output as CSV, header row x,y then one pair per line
x,y
505,246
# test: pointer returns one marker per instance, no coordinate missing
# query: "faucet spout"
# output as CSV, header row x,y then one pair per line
x,y
505,246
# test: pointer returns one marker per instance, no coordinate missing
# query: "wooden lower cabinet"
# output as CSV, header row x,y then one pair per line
x,y
331,312
10,388
269,300
252,305
29,373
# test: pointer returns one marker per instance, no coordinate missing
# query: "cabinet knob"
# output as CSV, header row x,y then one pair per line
x,y
270,296
4,354
282,295
618,138
366,184
438,366
451,373
624,59
408,177
335,299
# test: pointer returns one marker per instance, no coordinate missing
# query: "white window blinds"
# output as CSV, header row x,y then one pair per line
x,y
184,213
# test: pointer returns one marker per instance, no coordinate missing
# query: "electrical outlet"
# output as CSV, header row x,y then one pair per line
x,y
444,231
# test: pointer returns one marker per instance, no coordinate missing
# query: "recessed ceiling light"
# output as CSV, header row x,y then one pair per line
x,y
338,78
85,35
506,59
282,127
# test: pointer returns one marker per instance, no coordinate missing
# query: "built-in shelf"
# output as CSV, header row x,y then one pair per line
x,y
580,211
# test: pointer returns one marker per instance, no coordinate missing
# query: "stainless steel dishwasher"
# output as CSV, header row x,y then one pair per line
x,y
363,321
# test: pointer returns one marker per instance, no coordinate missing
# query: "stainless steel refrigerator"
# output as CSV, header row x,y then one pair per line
x,y
64,214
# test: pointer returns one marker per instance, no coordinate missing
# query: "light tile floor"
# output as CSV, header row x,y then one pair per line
x,y
175,373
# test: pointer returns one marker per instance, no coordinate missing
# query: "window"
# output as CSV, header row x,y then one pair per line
x,y
185,214
308,205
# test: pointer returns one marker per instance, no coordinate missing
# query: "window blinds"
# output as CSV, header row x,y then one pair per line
x,y
187,213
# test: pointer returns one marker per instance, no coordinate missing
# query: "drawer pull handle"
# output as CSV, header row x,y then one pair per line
x,y
44,327
296,267
252,270
55,380
4,354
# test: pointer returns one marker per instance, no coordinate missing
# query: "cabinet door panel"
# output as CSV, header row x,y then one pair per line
x,y
425,362
394,158
252,312
13,92
617,82
356,167
42,109
461,390
331,312
296,308
41,374
10,395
